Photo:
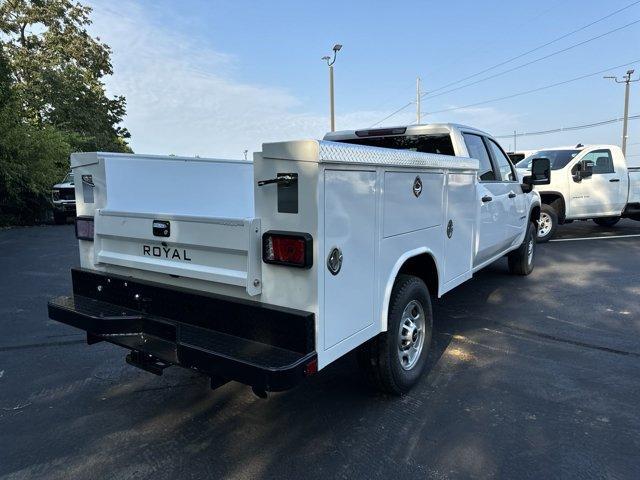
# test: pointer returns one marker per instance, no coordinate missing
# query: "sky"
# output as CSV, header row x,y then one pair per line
x,y
213,79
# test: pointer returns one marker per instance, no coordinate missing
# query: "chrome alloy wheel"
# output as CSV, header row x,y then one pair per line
x,y
544,225
411,334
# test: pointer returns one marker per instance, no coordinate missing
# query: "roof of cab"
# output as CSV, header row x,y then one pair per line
x,y
409,130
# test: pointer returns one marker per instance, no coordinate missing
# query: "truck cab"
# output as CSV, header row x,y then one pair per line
x,y
588,183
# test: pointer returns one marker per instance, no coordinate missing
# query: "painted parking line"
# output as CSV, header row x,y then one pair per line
x,y
594,238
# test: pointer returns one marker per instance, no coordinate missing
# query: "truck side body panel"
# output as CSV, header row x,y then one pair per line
x,y
634,185
350,226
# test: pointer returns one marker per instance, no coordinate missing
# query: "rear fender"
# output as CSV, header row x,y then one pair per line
x,y
394,274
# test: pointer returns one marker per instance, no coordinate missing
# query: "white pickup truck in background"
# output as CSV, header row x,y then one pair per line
x,y
588,183
63,199
264,272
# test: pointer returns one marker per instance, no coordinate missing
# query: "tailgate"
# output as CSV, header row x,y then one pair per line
x,y
220,250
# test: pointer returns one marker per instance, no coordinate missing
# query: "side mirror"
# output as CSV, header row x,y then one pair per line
x,y
540,174
587,169
583,169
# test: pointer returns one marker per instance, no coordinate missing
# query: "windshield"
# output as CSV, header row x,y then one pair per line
x,y
68,178
437,143
558,158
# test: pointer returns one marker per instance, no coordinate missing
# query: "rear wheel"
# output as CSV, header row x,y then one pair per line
x,y
606,221
547,224
521,260
394,360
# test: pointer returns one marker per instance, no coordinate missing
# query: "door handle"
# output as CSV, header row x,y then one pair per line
x,y
486,199
512,195
614,180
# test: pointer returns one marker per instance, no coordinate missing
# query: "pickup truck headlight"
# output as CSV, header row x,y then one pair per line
x,y
55,195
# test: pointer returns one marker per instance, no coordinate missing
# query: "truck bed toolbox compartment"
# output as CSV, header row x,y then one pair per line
x,y
265,346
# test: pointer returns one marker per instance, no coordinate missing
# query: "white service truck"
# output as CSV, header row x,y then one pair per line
x,y
264,272
589,183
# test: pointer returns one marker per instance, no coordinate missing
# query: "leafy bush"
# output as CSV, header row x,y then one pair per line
x,y
52,101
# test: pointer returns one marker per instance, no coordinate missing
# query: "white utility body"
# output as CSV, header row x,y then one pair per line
x,y
590,182
266,271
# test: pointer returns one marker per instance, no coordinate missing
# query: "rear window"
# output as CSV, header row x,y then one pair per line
x,y
439,143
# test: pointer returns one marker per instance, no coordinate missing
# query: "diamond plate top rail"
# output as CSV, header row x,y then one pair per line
x,y
337,152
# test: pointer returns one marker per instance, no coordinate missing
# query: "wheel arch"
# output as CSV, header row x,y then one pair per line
x,y
556,201
421,263
534,214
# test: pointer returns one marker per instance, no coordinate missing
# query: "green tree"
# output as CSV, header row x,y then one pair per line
x,y
57,69
31,158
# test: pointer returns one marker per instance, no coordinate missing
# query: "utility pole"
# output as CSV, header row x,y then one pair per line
x,y
418,96
626,79
515,141
330,62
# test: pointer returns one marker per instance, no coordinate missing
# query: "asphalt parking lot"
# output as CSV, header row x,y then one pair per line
x,y
535,377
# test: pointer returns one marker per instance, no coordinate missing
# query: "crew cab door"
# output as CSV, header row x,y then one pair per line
x,y
600,194
516,204
492,197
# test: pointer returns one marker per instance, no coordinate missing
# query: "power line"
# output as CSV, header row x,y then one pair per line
x,y
430,93
539,47
393,114
567,129
506,97
539,59
534,90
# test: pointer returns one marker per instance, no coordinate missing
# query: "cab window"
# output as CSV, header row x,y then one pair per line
x,y
601,160
504,165
478,150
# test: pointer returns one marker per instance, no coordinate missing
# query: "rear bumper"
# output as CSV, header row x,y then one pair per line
x,y
265,346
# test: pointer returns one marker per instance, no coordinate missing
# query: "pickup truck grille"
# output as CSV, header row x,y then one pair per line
x,y
67,194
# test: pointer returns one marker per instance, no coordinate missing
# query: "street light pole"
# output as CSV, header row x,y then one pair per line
x,y
332,106
330,62
627,81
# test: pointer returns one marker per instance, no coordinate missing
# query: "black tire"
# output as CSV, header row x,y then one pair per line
x,y
380,358
521,261
606,221
547,214
59,218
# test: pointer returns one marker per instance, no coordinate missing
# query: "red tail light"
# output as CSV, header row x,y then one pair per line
x,y
84,228
287,248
